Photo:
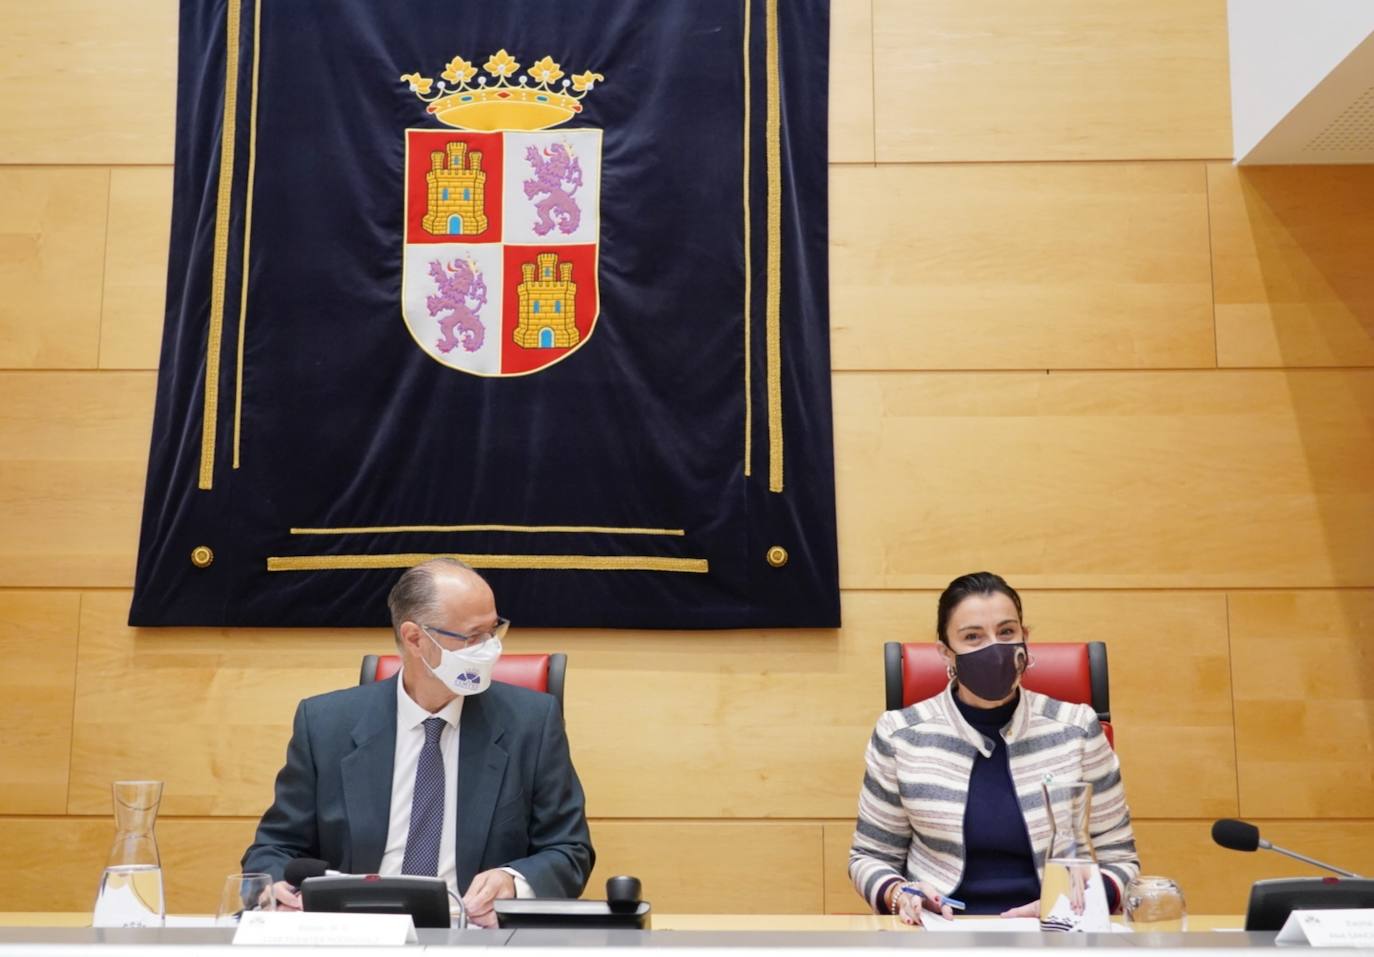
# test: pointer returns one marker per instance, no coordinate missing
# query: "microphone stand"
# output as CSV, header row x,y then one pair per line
x,y
1306,860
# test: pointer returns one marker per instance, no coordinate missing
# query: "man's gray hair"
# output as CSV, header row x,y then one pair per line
x,y
414,597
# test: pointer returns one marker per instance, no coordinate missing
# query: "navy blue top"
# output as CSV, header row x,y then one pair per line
x,y
999,866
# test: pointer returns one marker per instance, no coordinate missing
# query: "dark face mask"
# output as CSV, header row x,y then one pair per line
x,y
991,672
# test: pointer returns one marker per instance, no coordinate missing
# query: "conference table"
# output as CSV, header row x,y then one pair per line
x,y
687,922
820,935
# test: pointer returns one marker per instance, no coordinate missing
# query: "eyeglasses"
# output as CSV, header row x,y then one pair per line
x,y
470,641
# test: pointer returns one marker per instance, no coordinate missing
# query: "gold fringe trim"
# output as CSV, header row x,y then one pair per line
x,y
748,267
382,529
600,563
773,299
247,226
220,262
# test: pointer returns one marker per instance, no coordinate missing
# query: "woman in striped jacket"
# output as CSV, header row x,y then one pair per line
x,y
951,800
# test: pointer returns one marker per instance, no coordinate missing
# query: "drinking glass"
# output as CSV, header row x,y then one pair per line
x,y
1155,904
244,892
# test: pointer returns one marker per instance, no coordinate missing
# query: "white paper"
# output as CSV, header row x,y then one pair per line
x,y
317,927
1092,914
980,925
1329,928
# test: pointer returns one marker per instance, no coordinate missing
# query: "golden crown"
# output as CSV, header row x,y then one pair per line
x,y
533,102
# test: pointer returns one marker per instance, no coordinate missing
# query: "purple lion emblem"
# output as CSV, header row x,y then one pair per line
x,y
459,285
557,175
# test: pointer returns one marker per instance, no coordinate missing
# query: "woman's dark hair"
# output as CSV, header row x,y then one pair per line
x,y
965,586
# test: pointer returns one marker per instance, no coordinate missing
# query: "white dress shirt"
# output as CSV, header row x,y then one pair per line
x,y
410,740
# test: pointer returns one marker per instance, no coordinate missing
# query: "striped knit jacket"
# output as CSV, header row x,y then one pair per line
x,y
919,760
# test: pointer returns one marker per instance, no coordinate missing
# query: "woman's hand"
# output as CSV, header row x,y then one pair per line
x,y
1025,910
1078,883
909,906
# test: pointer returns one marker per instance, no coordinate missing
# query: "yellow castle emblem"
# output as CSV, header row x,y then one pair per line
x,y
548,308
456,187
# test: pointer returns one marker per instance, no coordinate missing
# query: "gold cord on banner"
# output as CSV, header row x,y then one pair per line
x,y
773,300
383,529
247,226
748,266
639,563
220,261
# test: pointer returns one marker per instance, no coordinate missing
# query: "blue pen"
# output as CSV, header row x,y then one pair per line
x,y
954,904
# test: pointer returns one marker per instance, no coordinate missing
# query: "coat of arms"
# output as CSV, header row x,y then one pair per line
x,y
502,218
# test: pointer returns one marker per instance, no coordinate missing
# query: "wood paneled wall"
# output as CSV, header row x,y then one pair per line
x,y
1072,344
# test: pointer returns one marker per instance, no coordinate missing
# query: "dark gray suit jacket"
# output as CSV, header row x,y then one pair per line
x,y
520,804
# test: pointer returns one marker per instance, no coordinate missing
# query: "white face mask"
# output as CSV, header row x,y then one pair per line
x,y
468,671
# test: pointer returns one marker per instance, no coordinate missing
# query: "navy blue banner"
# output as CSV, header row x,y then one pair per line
x,y
538,284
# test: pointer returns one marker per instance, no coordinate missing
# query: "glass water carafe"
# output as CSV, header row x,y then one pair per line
x,y
130,892
1072,897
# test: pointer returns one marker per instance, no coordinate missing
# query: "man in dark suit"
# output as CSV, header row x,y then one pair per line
x,y
436,770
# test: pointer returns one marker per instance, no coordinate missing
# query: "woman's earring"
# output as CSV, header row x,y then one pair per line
x,y
949,670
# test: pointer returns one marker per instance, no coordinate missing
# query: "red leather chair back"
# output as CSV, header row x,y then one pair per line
x,y
536,672
1069,671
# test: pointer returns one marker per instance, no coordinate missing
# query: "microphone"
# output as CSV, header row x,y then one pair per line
x,y
299,868
1235,835
623,894
1244,836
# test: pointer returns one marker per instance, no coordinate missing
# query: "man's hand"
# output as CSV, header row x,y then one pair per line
x,y
486,888
288,898
1025,910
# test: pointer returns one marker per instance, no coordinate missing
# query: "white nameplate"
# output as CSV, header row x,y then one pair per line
x,y
1329,928
316,927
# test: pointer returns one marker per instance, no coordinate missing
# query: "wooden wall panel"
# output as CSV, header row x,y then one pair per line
x,y
1291,250
208,711
65,857
851,81
733,701
1107,480
1063,79
774,723
73,458
1303,667
52,241
135,268
840,895
1217,881
1021,266
721,724
1170,686
87,82
37,633
694,867
687,867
